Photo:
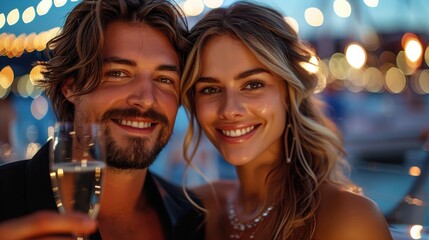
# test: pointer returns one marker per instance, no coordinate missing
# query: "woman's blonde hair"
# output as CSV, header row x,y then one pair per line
x,y
318,153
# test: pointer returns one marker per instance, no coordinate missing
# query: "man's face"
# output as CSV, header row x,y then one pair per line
x,y
138,98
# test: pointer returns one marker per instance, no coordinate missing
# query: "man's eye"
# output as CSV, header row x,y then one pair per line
x,y
116,74
209,90
254,85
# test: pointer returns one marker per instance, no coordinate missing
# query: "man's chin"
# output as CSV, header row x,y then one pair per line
x,y
136,156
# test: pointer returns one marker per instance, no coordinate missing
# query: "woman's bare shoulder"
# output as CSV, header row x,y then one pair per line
x,y
343,214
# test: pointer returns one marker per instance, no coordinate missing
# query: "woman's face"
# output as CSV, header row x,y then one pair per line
x,y
240,104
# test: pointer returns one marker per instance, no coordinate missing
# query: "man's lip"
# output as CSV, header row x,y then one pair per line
x,y
136,124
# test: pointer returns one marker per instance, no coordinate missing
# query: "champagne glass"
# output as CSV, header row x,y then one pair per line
x,y
77,164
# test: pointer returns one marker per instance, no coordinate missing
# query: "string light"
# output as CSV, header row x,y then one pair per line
x,y
28,15
43,7
13,17
2,20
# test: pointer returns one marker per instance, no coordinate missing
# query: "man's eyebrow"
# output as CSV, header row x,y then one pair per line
x,y
171,68
118,60
250,72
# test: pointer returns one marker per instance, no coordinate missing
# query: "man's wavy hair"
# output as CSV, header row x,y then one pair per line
x,y
76,53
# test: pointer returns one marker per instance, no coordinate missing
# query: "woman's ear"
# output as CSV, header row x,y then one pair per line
x,y
68,90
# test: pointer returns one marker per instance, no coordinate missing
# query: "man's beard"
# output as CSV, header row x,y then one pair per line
x,y
138,154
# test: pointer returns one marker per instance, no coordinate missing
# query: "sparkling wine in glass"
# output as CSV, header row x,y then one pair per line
x,y
77,164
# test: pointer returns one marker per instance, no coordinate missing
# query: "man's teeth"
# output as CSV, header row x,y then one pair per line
x,y
136,124
237,132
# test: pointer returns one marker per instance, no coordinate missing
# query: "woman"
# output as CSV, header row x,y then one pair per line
x,y
245,84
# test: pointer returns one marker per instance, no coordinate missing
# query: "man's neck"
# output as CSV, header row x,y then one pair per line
x,y
122,191
125,210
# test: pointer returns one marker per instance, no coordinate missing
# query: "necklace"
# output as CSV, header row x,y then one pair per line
x,y
239,228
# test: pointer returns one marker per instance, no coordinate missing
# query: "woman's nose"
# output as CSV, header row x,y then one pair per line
x,y
231,107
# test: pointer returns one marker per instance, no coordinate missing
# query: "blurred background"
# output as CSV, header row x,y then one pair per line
x,y
374,59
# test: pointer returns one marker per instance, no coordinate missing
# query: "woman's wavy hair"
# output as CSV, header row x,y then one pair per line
x,y
318,153
76,53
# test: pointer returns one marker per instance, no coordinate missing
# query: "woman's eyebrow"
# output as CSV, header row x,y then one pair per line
x,y
250,72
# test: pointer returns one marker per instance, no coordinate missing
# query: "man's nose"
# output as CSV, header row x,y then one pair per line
x,y
142,93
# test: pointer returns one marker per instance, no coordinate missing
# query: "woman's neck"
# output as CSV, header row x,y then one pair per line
x,y
256,188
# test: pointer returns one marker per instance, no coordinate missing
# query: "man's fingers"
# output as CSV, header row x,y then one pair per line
x,y
46,223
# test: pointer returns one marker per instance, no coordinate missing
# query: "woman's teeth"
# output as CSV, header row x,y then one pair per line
x,y
238,132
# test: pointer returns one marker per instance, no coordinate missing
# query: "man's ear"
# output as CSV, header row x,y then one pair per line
x,y
68,90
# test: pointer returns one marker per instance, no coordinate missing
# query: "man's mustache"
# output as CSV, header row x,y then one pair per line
x,y
134,113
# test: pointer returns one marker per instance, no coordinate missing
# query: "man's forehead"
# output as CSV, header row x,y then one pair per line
x,y
137,42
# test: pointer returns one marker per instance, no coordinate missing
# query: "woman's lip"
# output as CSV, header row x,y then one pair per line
x,y
237,134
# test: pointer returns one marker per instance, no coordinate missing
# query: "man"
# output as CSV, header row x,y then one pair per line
x,y
117,63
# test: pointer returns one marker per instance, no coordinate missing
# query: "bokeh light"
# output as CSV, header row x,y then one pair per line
x,y
213,3
29,42
39,107
312,66
59,3
414,171
370,39
386,57
6,77
424,81
413,50
313,16
43,7
416,231
342,8
371,3
24,86
338,66
395,80
403,64
13,17
193,7
374,80
4,92
36,73
293,23
2,20
356,55
28,15
427,56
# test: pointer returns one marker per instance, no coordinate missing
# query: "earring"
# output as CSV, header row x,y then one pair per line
x,y
289,157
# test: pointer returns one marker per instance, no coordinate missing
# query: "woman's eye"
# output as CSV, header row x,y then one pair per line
x,y
253,85
165,80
